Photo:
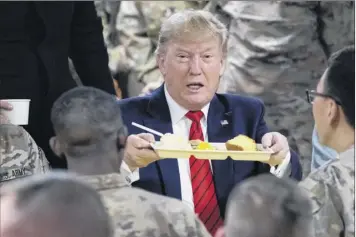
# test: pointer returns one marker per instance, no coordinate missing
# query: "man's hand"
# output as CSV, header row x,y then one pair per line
x,y
138,151
4,106
278,144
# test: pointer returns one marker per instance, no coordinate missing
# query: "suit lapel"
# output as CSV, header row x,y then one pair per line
x,y
160,120
220,129
219,121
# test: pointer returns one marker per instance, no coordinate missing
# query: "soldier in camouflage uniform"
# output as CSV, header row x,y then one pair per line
x,y
19,154
56,204
276,50
332,191
338,31
137,212
332,186
91,135
265,206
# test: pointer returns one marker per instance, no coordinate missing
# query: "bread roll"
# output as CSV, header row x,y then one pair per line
x,y
241,143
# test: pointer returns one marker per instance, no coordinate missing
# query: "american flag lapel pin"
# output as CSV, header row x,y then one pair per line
x,y
224,122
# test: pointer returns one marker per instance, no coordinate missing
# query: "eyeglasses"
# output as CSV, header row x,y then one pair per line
x,y
312,93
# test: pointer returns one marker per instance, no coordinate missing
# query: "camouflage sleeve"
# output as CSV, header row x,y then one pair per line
x,y
265,39
182,219
327,217
137,212
197,228
44,161
37,157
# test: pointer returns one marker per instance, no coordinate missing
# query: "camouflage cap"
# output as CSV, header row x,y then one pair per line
x,y
19,154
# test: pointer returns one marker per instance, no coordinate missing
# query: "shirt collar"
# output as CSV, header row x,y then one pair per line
x,y
177,111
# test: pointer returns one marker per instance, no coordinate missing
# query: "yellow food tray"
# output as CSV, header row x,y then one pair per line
x,y
219,154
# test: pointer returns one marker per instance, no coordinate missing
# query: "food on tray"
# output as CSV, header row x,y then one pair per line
x,y
171,141
205,146
174,142
241,143
195,143
201,145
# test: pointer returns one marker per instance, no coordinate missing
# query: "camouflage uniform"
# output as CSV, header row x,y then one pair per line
x,y
19,154
332,191
137,212
278,49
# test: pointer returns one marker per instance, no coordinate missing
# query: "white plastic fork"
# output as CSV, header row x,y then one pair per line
x,y
147,129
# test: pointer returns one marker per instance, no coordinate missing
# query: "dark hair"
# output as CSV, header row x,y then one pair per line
x,y
267,206
87,117
340,81
57,204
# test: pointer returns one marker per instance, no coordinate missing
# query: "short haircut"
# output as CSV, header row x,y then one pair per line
x,y
340,81
57,205
266,206
85,117
191,24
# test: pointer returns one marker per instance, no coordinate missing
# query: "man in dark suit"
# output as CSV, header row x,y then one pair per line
x,y
191,55
36,39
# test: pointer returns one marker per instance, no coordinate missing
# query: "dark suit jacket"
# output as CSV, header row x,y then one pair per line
x,y
244,116
36,39
33,33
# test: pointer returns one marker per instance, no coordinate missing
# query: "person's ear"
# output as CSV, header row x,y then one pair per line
x,y
333,113
121,138
120,141
120,145
220,232
222,66
55,146
161,64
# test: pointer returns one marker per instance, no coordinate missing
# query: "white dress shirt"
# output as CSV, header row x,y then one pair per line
x,y
181,126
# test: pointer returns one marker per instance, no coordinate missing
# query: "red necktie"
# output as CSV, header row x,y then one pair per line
x,y
205,201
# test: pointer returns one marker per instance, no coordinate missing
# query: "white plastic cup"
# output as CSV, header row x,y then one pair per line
x,y
19,113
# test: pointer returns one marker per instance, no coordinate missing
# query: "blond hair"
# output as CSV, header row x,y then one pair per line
x,y
191,25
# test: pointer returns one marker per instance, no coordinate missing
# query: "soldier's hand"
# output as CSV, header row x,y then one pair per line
x,y
4,105
138,151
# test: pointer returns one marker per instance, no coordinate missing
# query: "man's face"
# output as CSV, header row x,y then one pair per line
x,y
191,71
323,113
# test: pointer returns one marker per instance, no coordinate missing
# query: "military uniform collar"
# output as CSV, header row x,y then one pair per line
x,y
106,181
